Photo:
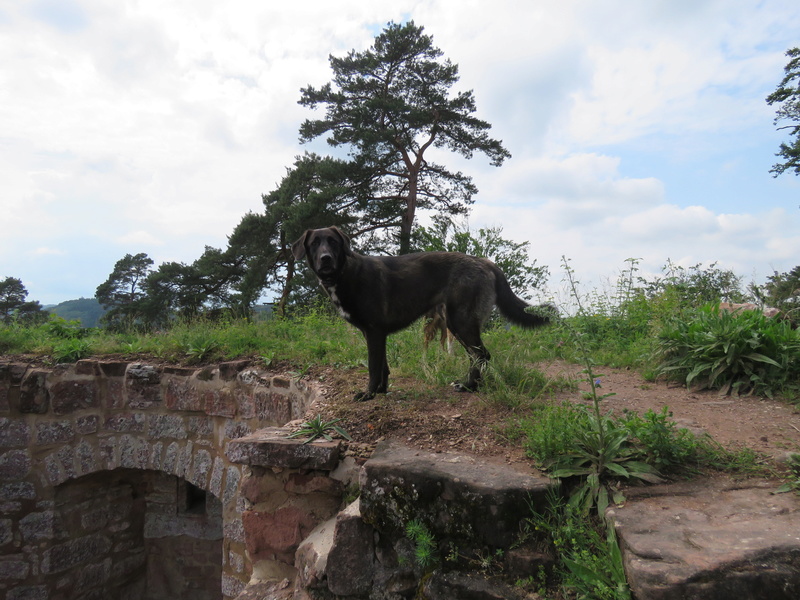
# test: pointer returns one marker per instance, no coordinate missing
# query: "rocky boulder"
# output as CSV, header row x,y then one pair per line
x,y
458,497
712,540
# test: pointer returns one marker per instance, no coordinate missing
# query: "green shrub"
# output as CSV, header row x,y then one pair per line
x,y
659,441
425,550
71,350
550,431
588,558
793,480
61,328
742,353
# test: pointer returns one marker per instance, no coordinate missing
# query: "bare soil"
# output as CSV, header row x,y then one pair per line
x,y
441,419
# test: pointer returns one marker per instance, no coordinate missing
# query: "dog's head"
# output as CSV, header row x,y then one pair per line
x,y
326,250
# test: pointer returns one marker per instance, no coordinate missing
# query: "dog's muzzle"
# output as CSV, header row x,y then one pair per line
x,y
326,265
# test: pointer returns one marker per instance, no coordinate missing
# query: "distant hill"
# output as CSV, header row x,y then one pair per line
x,y
86,310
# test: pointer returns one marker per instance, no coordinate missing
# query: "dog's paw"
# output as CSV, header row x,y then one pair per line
x,y
363,396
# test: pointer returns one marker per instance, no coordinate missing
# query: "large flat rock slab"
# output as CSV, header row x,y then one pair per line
x,y
457,496
270,447
711,539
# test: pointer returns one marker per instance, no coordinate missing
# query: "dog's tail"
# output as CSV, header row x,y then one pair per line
x,y
518,311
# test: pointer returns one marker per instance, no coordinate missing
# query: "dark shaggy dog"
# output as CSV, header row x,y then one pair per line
x,y
381,295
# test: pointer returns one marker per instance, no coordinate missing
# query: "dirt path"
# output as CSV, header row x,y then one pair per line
x,y
441,419
768,426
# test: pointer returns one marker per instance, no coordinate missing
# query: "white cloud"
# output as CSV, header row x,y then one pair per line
x,y
154,126
44,250
139,239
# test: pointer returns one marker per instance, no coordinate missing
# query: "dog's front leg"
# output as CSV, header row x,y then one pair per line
x,y
378,365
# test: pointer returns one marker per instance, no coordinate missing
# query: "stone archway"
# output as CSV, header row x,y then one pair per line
x,y
62,424
131,534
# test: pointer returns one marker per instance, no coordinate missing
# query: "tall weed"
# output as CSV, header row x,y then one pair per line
x,y
589,560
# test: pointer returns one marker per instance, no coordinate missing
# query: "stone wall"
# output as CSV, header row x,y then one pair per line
x,y
139,481
64,430
473,510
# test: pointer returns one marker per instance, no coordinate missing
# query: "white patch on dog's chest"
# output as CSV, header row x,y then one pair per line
x,y
336,302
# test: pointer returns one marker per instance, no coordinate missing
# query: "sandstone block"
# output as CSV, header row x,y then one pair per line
x,y
33,395
220,403
311,558
169,426
14,433
54,432
351,558
271,448
231,586
87,367
111,368
180,394
13,566
276,535
86,424
74,552
14,465
142,385
458,497
272,407
309,483
69,396
125,423
715,540
229,370
245,403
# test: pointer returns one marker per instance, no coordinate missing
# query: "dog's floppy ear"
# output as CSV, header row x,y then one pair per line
x,y
299,247
345,238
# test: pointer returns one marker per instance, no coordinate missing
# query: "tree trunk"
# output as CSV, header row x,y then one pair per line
x,y
407,220
287,285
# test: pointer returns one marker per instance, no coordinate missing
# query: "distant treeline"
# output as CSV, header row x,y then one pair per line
x,y
88,311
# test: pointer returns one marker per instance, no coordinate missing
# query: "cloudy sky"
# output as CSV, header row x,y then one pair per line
x,y
637,129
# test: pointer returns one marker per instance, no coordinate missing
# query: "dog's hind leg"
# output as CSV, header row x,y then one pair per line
x,y
479,359
469,335
378,365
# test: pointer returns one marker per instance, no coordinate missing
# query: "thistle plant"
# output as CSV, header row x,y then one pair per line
x,y
602,450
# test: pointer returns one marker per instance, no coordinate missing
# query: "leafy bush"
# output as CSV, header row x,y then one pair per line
x,y
15,338
681,287
550,431
793,481
602,453
71,350
589,561
659,441
745,352
61,328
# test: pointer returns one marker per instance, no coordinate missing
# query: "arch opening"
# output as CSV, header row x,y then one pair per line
x,y
135,535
